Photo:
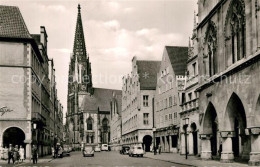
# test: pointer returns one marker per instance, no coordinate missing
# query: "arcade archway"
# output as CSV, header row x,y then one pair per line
x,y
14,136
195,138
235,121
210,126
147,141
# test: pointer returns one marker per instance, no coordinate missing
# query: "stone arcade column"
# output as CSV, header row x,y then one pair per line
x,y
255,147
28,149
190,145
205,146
227,154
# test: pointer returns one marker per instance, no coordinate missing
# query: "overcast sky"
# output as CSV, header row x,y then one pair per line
x,y
115,31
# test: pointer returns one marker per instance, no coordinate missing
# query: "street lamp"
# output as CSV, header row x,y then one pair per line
x,y
185,124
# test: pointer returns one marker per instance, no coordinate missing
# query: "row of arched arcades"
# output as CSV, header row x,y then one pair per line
x,y
227,133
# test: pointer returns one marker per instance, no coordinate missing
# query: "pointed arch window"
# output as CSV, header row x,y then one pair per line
x,y
89,124
105,124
235,32
211,46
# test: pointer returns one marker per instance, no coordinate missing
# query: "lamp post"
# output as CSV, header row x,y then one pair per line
x,y
36,133
185,124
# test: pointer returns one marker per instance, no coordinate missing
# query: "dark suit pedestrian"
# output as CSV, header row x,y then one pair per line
x,y
34,154
10,153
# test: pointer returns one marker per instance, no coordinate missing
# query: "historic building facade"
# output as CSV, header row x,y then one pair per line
x,y
88,112
138,103
116,122
167,103
25,85
189,100
228,66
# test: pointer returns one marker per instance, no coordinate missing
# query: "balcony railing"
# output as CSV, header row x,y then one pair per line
x,y
37,117
190,105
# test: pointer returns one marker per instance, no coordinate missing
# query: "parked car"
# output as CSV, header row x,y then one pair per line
x,y
88,151
104,147
124,149
66,150
97,149
136,150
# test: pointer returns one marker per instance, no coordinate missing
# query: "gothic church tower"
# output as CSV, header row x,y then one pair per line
x,y
79,83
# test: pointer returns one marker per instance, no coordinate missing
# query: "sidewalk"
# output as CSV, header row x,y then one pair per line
x,y
191,161
43,159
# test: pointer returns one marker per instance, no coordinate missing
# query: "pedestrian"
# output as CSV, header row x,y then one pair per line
x,y
16,154
34,154
10,153
220,149
53,152
5,157
21,153
159,148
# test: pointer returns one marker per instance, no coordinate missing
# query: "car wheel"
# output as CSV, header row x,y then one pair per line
x,y
142,155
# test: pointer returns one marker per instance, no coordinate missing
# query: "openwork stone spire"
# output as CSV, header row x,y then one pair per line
x,y
79,48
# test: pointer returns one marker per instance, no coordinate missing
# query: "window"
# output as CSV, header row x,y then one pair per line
x,y
89,124
166,117
146,118
145,100
211,36
170,101
174,100
170,116
175,115
190,96
183,98
194,69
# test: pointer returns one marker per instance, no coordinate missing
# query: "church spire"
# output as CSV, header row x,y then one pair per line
x,y
79,48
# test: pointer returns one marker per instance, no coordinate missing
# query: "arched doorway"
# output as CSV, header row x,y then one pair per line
x,y
147,141
235,121
195,138
210,126
14,136
105,131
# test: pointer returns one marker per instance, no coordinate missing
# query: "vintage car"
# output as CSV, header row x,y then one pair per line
x,y
136,150
97,149
88,151
104,147
124,150
66,150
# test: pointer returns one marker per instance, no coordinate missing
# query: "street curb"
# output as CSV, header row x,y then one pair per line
x,y
171,162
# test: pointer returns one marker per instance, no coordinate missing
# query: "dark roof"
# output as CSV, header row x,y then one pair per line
x,y
100,99
37,38
147,71
178,56
12,24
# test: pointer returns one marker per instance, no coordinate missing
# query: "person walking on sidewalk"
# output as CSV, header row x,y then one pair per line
x,y
21,153
159,148
10,153
5,156
16,154
35,154
154,150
